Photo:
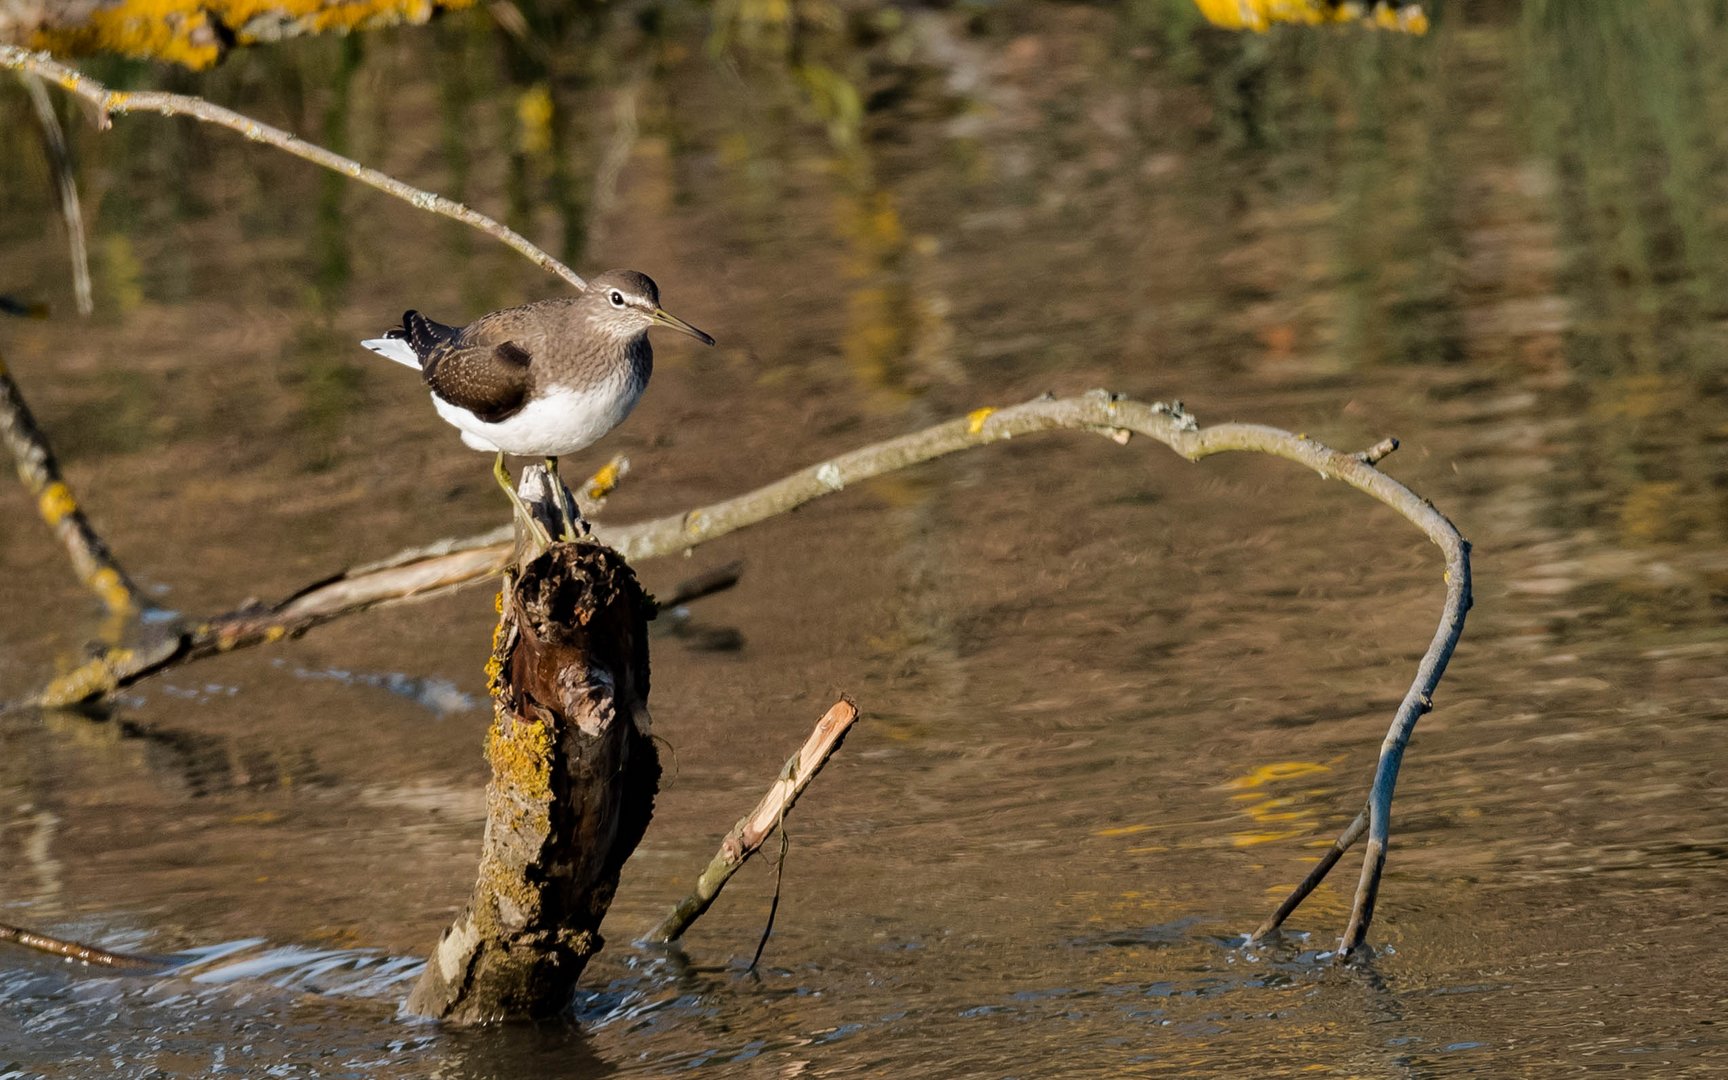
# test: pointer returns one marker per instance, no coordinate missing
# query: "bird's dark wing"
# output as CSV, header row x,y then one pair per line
x,y
471,370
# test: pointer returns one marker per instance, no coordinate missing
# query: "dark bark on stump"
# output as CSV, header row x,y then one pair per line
x,y
574,775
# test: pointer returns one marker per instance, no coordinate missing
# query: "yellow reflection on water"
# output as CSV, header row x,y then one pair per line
x,y
1274,817
1277,770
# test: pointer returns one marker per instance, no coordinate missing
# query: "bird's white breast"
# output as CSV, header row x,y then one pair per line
x,y
558,421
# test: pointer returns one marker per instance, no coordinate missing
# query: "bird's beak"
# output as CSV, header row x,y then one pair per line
x,y
666,318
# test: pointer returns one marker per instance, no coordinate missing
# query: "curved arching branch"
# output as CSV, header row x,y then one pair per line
x,y
109,101
452,563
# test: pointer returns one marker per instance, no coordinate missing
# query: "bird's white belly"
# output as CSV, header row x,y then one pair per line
x,y
559,422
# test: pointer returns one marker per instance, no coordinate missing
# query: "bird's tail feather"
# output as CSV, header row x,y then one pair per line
x,y
394,348
414,340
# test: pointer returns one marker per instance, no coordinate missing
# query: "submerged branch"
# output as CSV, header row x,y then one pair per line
x,y
411,574
1418,701
73,950
117,667
754,828
704,584
1346,840
94,564
117,101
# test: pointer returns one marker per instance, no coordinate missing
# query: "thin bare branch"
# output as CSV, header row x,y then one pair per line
x,y
66,187
748,835
73,950
1377,453
94,564
1418,701
121,666
1346,840
115,101
1097,411
1104,413
411,574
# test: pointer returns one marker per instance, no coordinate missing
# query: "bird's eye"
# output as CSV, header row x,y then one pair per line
x,y
617,298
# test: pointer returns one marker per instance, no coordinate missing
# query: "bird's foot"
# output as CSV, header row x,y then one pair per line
x,y
527,525
575,526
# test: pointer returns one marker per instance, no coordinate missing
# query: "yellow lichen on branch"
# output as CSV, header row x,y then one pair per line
x,y
58,506
605,481
55,503
197,33
111,589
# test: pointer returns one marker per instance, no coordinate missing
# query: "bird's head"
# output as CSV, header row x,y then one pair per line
x,y
627,303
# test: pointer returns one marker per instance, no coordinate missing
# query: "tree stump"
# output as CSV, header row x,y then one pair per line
x,y
574,775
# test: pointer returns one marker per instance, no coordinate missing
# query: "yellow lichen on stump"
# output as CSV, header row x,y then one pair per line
x,y
574,774
520,753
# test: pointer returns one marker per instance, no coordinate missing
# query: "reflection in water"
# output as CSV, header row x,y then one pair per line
x,y
1640,178
441,697
1115,703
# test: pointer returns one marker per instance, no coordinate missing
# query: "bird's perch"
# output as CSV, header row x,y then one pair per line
x,y
574,775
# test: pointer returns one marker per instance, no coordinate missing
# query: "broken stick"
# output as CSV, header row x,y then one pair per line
x,y
754,828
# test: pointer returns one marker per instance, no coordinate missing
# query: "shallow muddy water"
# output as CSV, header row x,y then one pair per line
x,y
1115,703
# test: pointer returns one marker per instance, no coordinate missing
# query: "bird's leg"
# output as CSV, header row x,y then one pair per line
x,y
566,502
523,516
503,478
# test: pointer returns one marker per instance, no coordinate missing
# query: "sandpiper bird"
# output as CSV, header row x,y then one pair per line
x,y
541,380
